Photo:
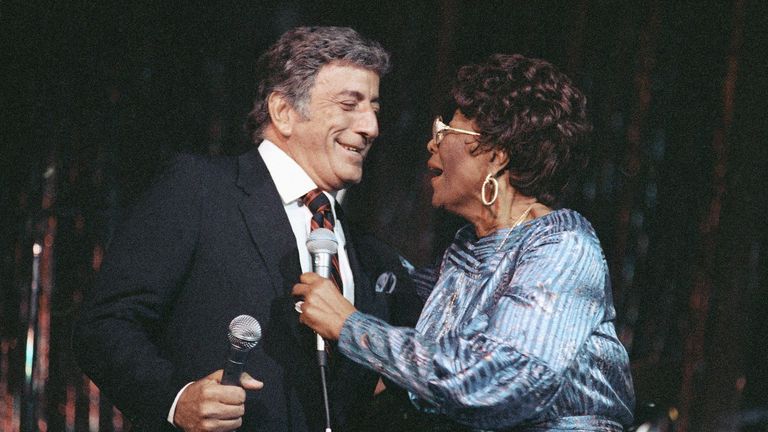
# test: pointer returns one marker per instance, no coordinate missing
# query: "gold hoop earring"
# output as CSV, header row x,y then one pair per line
x,y
489,180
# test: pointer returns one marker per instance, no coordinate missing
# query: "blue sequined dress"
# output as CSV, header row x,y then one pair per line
x,y
517,333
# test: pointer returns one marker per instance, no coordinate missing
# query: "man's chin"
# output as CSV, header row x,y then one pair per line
x,y
350,183
352,178
343,184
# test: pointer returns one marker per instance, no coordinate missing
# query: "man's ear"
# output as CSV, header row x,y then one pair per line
x,y
281,113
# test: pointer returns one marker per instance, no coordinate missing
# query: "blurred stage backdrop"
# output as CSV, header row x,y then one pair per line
x,y
96,95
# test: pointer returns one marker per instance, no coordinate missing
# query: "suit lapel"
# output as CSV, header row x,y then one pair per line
x,y
262,210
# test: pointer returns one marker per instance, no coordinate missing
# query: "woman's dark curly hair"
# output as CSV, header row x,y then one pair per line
x,y
529,109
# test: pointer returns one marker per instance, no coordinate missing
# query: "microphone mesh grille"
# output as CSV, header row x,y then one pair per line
x,y
244,332
322,240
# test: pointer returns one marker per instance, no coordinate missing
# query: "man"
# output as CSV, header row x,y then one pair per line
x,y
220,237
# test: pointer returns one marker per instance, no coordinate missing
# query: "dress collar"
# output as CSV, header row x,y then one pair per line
x,y
475,254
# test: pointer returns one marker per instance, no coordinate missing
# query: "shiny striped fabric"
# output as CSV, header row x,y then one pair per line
x,y
515,335
322,217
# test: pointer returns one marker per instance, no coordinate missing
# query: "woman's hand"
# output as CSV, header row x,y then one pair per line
x,y
324,309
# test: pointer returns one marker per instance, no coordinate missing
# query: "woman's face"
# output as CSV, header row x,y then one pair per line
x,y
457,172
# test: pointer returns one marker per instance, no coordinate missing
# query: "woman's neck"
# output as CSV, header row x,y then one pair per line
x,y
494,218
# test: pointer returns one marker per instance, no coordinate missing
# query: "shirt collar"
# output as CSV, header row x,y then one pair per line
x,y
291,180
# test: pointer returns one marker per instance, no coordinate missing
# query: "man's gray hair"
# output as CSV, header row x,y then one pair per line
x,y
292,63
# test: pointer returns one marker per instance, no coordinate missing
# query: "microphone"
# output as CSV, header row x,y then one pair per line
x,y
244,334
322,244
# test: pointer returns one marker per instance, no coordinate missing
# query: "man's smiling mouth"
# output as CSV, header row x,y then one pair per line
x,y
350,148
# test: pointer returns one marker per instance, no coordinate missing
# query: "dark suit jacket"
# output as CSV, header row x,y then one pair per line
x,y
208,242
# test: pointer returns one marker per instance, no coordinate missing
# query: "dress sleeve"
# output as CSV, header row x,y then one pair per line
x,y
508,363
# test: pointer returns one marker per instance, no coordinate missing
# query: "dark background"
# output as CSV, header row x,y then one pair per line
x,y
96,95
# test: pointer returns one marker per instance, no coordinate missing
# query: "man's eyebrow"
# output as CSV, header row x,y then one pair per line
x,y
357,95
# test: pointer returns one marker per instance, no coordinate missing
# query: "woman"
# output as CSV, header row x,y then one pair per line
x,y
518,328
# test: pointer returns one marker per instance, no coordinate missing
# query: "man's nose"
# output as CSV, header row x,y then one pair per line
x,y
368,125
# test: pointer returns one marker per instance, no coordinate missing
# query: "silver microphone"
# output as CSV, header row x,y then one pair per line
x,y
322,244
244,334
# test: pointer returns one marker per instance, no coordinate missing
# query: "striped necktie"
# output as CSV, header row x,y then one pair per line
x,y
322,217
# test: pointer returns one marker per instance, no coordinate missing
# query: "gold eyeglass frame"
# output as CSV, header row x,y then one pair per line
x,y
439,128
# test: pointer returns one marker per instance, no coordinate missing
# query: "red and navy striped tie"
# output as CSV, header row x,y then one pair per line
x,y
322,217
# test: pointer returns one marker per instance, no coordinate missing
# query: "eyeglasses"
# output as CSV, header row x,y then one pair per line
x,y
439,128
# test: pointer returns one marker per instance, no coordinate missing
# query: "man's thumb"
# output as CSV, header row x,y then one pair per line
x,y
250,383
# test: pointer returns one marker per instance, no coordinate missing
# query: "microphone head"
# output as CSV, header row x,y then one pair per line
x,y
322,240
244,332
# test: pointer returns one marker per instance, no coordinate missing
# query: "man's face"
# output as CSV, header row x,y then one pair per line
x,y
332,143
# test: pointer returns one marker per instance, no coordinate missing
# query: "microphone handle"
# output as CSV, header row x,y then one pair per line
x,y
321,264
234,367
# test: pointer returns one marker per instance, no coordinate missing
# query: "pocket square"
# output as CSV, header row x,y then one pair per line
x,y
386,282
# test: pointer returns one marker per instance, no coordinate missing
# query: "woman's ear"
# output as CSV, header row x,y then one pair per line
x,y
499,160
281,113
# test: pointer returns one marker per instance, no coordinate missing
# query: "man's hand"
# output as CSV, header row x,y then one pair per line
x,y
324,308
208,405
